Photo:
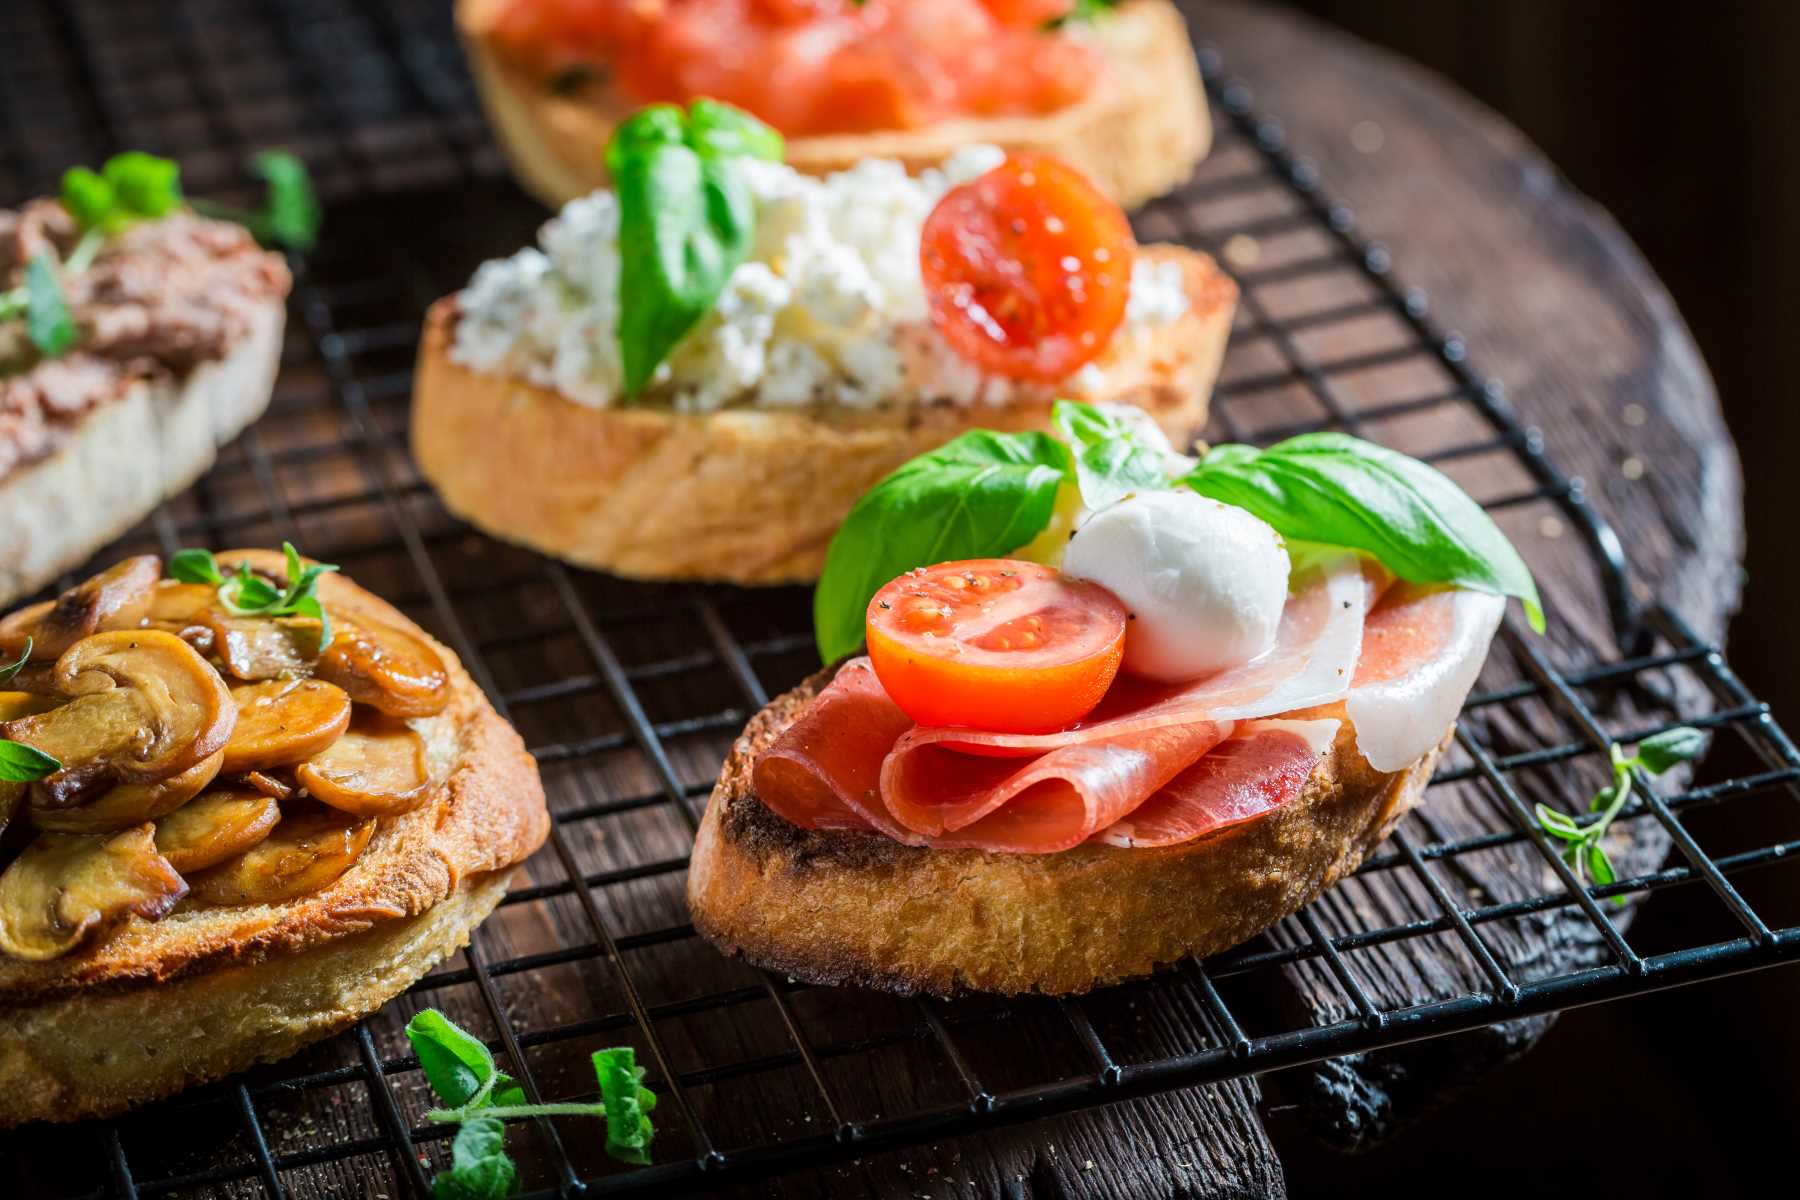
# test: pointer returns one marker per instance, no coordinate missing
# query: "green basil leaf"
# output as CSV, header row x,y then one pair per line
x,y
1681,744
480,1168
1599,867
645,130
727,132
290,213
7,673
146,186
980,495
1333,488
628,1126
248,594
685,222
20,763
456,1062
47,320
195,566
1112,458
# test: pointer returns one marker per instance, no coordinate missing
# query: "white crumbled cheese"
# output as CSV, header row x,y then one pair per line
x,y
818,313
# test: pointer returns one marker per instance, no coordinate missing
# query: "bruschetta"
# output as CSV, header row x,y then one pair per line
x,y
853,334
1155,737
135,352
243,808
1111,88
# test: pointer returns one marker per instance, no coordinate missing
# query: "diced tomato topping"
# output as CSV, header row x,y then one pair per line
x,y
815,66
995,644
1028,268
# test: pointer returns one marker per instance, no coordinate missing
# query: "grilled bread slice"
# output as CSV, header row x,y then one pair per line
x,y
1139,135
204,992
746,495
853,908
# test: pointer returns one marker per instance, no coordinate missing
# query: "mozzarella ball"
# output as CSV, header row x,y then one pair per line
x,y
1205,582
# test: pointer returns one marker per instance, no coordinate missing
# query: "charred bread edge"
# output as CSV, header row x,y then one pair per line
x,y
128,454
845,908
486,815
90,1055
1138,136
743,495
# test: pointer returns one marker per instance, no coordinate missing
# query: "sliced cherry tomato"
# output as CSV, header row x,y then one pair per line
x,y
1027,268
996,644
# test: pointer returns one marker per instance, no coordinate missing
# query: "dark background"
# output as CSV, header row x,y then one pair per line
x,y
1682,121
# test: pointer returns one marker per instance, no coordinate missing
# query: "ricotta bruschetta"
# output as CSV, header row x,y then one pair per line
x,y
136,338
1177,727
242,808
863,318
1111,87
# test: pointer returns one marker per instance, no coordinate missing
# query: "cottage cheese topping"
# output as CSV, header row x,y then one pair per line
x,y
824,308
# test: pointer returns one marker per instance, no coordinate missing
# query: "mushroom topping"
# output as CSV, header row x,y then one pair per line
x,y
22,624
67,887
377,769
128,804
11,796
217,825
116,598
385,668
307,851
284,721
182,609
278,786
14,705
254,648
143,707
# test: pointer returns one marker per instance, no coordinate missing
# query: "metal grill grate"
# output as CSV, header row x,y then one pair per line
x,y
629,694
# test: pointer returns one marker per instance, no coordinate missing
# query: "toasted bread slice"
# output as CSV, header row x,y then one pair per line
x,y
204,992
128,454
1139,135
745,495
851,908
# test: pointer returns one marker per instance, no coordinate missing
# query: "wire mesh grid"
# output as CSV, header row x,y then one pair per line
x,y
629,695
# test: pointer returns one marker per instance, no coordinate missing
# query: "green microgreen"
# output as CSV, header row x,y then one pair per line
x,y
289,214
1582,846
480,1098
244,593
20,763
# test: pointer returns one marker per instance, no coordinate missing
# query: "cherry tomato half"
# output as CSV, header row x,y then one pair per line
x,y
996,644
1028,268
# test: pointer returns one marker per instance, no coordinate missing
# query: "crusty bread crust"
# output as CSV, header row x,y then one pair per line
x,y
128,455
846,908
207,991
744,495
1139,135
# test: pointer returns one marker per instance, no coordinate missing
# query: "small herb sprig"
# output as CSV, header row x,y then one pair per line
x,y
480,1098
247,594
1582,847
133,187
20,763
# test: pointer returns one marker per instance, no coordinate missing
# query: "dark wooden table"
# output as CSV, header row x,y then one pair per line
x,y
1555,303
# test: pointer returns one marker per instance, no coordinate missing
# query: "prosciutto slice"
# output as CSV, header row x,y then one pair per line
x,y
1422,649
1260,767
824,769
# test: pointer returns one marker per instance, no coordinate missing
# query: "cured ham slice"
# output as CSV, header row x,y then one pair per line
x,y
824,769
964,787
1422,649
1260,767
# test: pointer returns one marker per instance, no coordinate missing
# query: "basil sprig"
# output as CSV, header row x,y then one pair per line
x,y
1332,488
1113,458
20,763
247,594
481,1098
979,495
686,220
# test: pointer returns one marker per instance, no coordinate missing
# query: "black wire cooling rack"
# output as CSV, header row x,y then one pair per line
x,y
630,694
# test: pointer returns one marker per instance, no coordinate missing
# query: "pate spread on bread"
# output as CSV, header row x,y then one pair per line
x,y
1151,706
143,339
1112,88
